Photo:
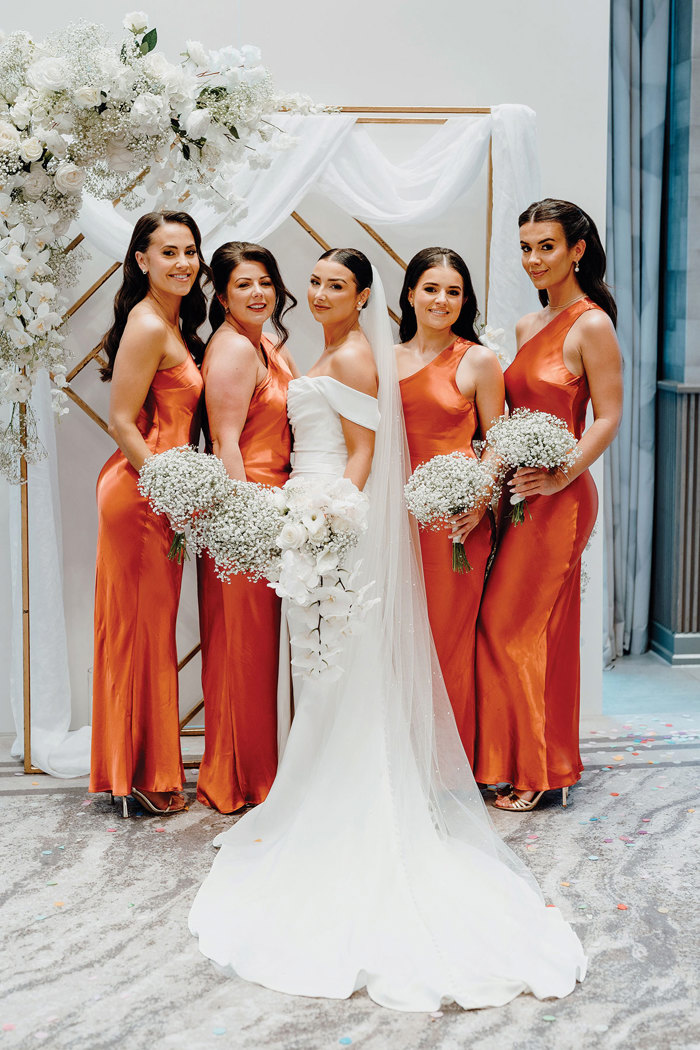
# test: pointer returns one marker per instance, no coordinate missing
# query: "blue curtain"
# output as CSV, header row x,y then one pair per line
x,y
639,78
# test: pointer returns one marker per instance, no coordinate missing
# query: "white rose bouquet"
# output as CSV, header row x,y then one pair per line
x,y
447,485
183,483
528,438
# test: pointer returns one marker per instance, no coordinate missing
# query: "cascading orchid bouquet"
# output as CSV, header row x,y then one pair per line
x,y
529,438
444,486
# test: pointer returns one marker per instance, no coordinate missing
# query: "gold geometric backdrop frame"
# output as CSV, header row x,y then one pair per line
x,y
365,115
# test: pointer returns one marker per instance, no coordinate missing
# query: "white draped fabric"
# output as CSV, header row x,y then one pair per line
x,y
340,160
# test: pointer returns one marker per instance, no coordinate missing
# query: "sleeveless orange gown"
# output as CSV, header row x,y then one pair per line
x,y
527,649
135,716
439,420
240,629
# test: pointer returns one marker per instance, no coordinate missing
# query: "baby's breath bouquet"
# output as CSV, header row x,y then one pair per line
x,y
241,532
447,485
183,483
528,438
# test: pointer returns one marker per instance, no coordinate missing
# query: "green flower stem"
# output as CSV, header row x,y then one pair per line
x,y
460,561
178,548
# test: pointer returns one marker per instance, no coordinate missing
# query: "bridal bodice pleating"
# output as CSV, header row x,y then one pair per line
x,y
345,876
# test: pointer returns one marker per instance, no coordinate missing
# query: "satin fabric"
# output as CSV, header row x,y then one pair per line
x,y
240,629
527,649
439,420
135,717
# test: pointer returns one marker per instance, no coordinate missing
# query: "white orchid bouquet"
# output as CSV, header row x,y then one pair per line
x,y
444,486
81,112
529,438
184,484
322,526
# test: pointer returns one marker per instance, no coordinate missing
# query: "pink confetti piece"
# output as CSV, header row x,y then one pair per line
x,y
159,829
8,1027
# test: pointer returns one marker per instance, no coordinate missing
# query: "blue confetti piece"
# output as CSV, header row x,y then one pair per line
x,y
46,852
593,857
345,1041
218,1031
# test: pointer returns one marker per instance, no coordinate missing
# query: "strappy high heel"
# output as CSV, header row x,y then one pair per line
x,y
125,806
145,801
521,805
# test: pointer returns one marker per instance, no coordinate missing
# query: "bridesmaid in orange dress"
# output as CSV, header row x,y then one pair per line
x,y
527,657
152,349
245,381
452,390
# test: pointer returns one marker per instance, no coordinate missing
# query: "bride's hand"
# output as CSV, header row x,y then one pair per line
x,y
537,481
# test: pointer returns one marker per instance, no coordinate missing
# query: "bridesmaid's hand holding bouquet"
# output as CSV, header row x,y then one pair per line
x,y
443,487
538,440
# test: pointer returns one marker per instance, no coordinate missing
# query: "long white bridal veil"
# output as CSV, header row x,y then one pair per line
x,y
422,743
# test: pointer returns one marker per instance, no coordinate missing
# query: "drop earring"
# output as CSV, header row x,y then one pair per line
x,y
576,267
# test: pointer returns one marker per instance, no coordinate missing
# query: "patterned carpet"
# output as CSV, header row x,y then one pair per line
x,y
97,953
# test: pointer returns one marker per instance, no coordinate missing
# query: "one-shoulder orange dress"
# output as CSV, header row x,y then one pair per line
x,y
439,420
527,649
240,629
135,717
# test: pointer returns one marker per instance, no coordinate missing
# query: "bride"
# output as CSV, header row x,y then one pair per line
x,y
373,863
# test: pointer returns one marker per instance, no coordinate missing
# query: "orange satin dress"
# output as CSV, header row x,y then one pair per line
x,y
439,420
135,716
240,629
527,649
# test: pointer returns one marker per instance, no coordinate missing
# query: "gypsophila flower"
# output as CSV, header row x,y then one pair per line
x,y
444,486
528,438
181,483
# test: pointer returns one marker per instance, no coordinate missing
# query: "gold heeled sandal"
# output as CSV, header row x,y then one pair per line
x,y
521,805
145,801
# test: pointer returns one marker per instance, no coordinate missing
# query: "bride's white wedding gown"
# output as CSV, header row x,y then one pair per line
x,y
372,862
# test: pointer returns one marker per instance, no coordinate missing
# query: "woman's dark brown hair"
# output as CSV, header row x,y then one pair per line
x,y
225,260
134,287
577,226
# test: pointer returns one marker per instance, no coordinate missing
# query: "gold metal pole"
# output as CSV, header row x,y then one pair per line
x,y
91,291
26,668
189,656
193,711
382,243
489,226
415,109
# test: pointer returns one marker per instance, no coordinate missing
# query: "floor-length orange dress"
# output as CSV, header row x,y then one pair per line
x,y
439,420
240,629
135,718
527,649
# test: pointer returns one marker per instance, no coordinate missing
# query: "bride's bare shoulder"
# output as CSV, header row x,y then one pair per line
x,y
353,364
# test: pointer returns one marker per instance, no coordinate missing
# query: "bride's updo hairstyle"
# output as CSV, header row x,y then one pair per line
x,y
577,226
356,262
225,260
134,288
424,260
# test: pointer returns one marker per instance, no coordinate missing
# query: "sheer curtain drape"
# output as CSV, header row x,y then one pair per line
x,y
337,158
639,62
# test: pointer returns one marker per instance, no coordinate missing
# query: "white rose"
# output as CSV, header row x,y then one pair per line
x,y
68,178
48,74
136,21
197,123
21,113
147,112
119,156
197,53
35,183
9,135
31,149
157,66
293,535
87,97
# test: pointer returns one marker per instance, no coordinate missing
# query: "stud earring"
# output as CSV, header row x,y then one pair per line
x,y
144,272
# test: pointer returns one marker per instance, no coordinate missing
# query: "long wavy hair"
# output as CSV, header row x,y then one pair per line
x,y
424,260
134,288
225,260
356,262
577,226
